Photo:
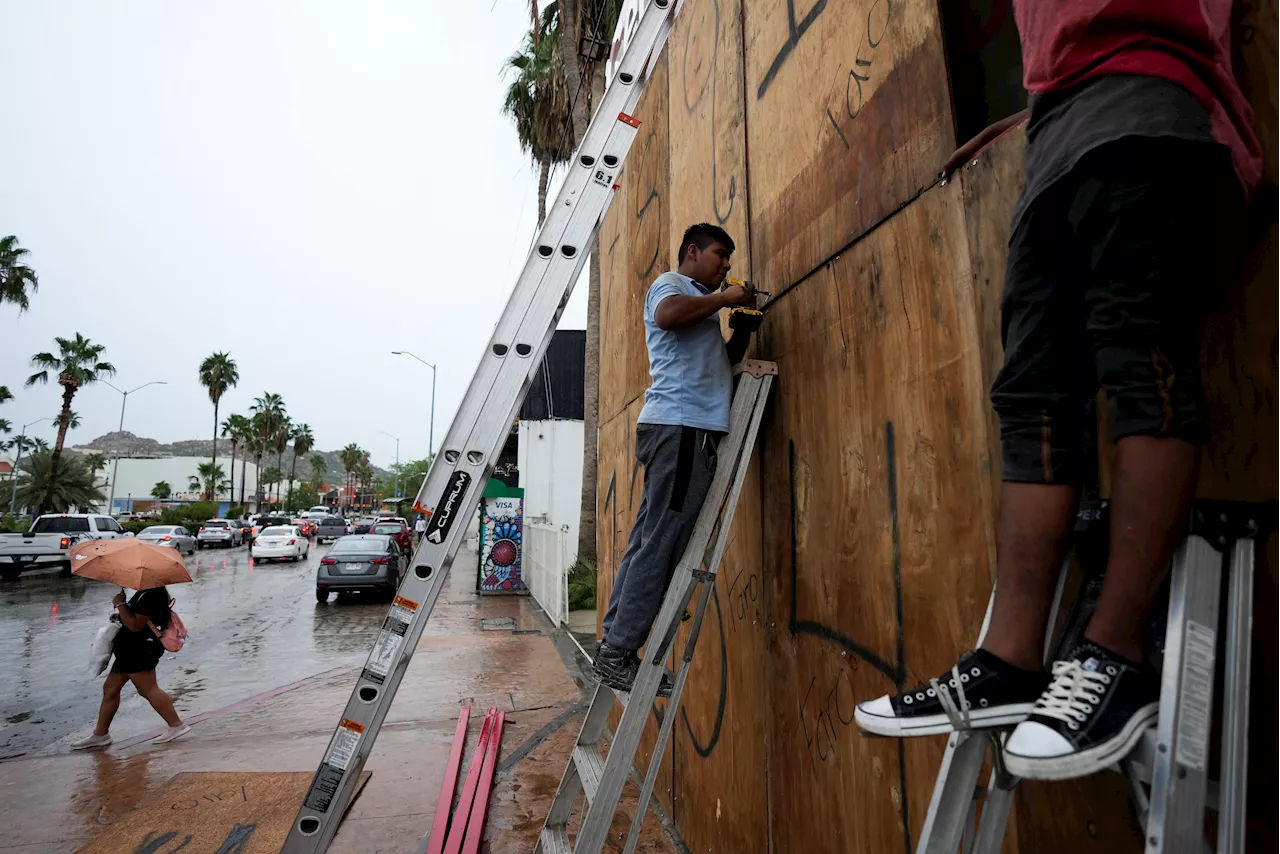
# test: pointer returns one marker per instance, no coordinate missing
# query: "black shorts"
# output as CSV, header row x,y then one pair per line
x,y
1110,271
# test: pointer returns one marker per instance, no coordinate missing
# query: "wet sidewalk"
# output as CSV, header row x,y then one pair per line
x,y
483,651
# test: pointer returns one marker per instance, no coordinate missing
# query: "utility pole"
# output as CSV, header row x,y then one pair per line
x,y
385,433
431,439
115,468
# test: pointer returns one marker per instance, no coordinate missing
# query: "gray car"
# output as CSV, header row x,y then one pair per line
x,y
369,563
173,536
330,528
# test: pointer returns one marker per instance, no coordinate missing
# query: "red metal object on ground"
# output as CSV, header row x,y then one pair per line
x,y
440,826
475,825
457,827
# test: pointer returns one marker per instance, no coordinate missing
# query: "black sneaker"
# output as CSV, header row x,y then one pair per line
x,y
617,668
1092,714
980,691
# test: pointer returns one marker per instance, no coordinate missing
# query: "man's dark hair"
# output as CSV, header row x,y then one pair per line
x,y
703,235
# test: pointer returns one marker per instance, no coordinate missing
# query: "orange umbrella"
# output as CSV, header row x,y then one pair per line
x,y
128,563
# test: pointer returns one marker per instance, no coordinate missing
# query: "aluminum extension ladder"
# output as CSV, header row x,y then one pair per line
x,y
1172,758
601,778
480,427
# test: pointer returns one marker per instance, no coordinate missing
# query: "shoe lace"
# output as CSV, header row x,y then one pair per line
x,y
1073,693
957,709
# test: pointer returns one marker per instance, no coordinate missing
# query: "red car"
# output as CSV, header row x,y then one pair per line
x,y
398,531
306,526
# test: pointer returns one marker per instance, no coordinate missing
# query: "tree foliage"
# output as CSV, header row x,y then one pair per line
x,y
72,487
15,274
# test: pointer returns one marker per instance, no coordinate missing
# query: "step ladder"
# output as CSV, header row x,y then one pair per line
x,y
483,421
1168,770
601,778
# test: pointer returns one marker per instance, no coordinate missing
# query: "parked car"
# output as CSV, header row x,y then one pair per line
x,y
331,528
364,523
246,530
219,532
174,536
280,542
46,542
397,530
367,562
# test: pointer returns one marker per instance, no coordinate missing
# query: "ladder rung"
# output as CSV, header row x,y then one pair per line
x,y
1143,756
623,697
555,840
590,768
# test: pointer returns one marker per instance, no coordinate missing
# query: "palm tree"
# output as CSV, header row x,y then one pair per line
x,y
230,431
537,100
217,374
303,442
211,479
241,434
268,411
15,276
71,486
281,441
318,467
5,394
578,18
76,366
161,490
73,420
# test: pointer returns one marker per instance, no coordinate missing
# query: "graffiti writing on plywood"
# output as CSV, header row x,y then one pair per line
x,y
873,33
702,39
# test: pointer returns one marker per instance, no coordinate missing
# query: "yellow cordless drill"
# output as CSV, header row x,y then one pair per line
x,y
740,316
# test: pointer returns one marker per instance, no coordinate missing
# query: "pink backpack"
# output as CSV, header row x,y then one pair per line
x,y
174,634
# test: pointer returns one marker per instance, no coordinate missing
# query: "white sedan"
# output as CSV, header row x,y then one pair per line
x,y
280,542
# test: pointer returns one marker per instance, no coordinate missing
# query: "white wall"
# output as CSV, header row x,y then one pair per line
x,y
550,461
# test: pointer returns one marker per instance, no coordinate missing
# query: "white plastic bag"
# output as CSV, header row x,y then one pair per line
x,y
100,652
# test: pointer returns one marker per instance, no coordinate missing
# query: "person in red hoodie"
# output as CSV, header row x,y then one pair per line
x,y
1140,158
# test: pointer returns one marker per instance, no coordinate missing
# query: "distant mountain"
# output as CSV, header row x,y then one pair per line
x,y
138,446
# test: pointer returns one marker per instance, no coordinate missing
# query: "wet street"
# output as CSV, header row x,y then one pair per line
x,y
262,680
253,627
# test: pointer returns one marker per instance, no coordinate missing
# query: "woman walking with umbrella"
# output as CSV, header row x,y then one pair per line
x,y
137,648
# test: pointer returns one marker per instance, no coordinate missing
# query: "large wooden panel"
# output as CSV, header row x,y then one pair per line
x,y
635,250
875,454
848,117
619,309
720,802
708,131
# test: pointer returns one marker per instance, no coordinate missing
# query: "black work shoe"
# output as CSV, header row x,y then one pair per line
x,y
1092,714
617,668
980,691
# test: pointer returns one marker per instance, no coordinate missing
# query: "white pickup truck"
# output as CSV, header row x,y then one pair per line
x,y
49,538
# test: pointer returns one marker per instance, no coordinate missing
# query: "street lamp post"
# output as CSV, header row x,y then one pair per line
x,y
22,440
115,468
431,440
388,435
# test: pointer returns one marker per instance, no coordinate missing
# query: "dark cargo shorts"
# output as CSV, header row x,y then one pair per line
x,y
1110,271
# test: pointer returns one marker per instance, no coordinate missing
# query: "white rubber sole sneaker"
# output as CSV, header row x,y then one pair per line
x,y
171,733
877,717
1037,741
91,741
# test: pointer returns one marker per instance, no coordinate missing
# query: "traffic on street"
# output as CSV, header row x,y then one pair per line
x,y
253,626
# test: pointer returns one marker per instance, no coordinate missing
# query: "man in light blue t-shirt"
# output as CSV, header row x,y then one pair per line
x,y
686,411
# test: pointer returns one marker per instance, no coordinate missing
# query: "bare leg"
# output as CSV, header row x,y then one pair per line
x,y
110,701
1150,496
155,695
1035,520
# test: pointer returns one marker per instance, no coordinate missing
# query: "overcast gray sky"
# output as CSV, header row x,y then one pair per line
x,y
306,185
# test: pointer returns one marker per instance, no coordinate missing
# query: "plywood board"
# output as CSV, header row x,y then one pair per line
x,y
848,117
619,310
707,126
205,813
885,554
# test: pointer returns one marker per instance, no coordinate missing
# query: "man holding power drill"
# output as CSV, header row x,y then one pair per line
x,y
686,412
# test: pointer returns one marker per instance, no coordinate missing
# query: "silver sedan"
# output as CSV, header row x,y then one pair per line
x,y
174,536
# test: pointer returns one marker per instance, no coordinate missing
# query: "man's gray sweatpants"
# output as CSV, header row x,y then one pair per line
x,y
678,466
